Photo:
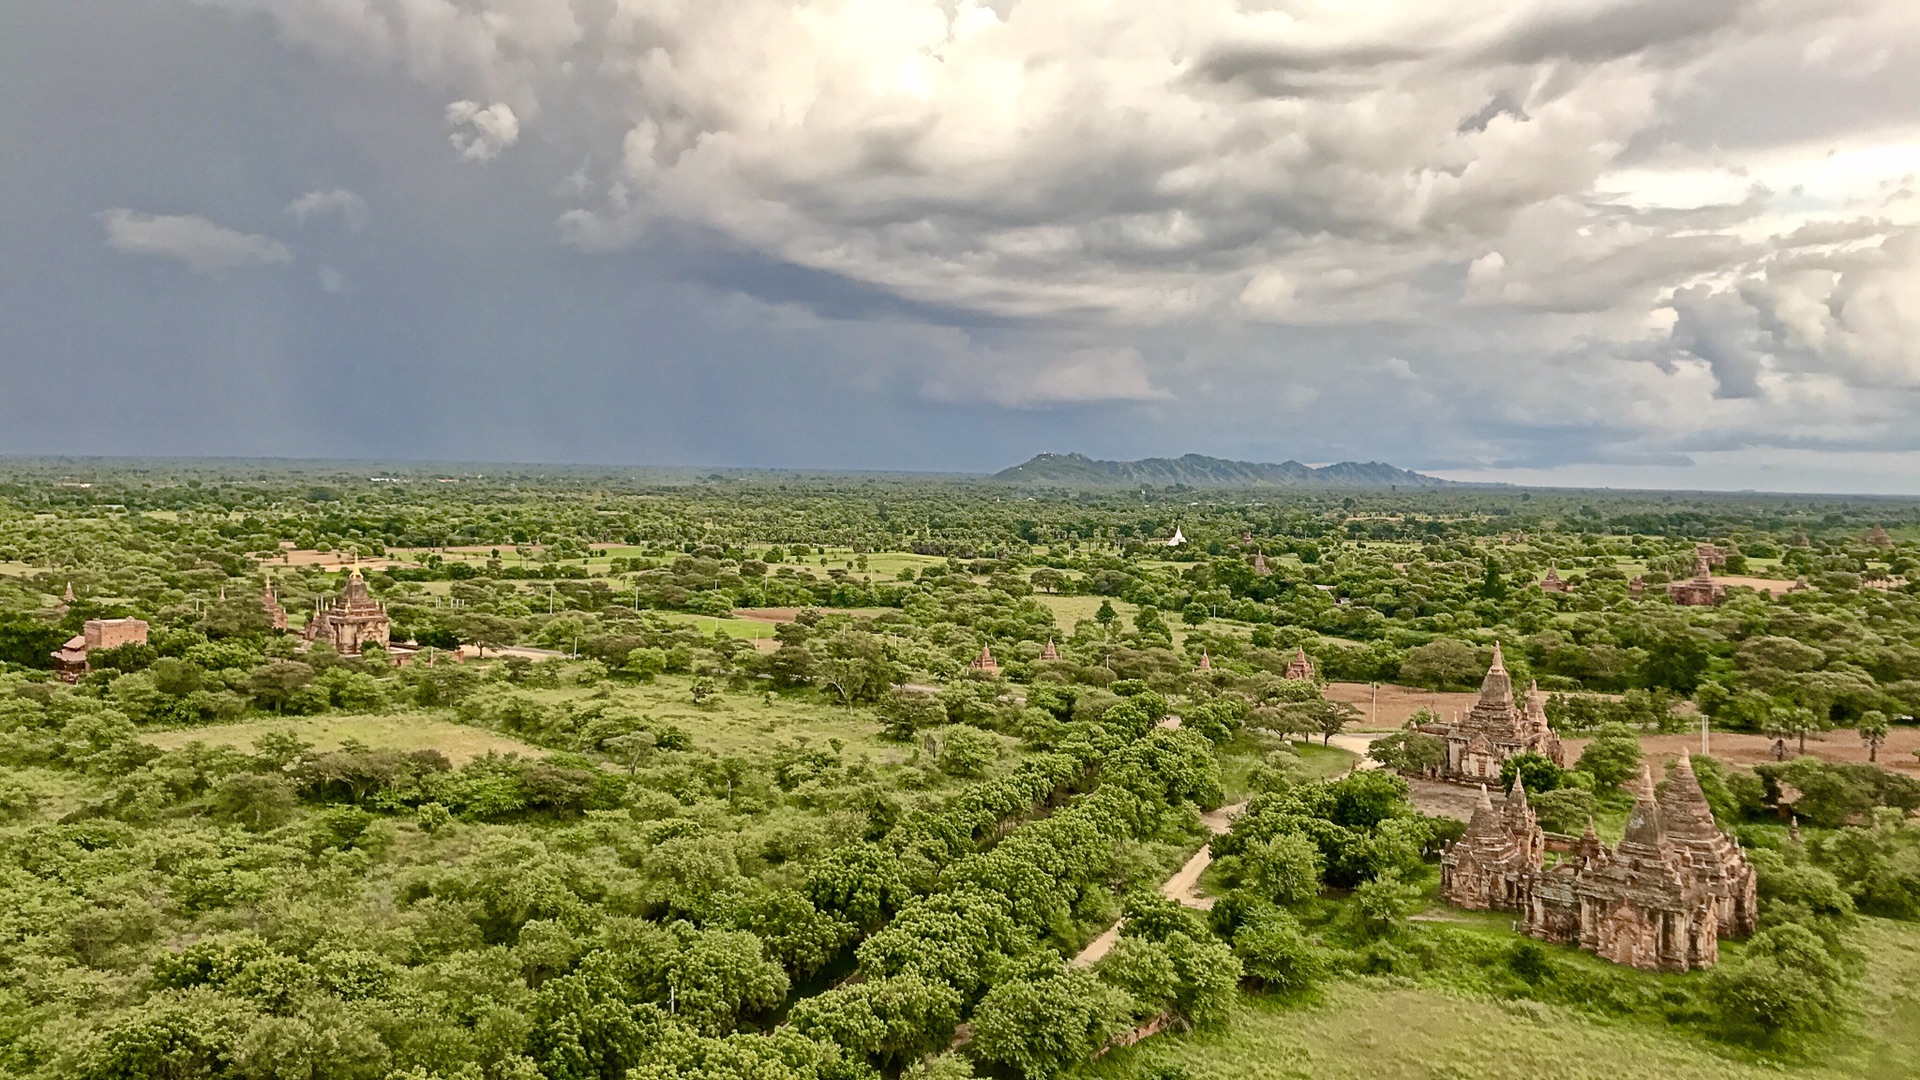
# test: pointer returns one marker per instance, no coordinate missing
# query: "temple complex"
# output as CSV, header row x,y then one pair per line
x,y
352,621
984,663
1300,668
1049,653
1700,590
1659,900
1553,583
1877,536
70,660
1495,729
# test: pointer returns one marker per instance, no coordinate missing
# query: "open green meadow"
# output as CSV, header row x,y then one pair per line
x,y
405,732
1387,1028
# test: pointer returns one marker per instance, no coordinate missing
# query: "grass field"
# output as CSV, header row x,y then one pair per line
x,y
1068,610
728,724
400,731
736,723
1245,751
744,629
1382,1029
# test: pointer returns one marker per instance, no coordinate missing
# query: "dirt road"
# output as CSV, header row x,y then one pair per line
x,y
1182,886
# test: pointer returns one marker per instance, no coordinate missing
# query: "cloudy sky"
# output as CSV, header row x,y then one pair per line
x,y
1629,243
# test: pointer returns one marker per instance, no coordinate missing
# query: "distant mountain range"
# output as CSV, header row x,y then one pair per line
x,y
1195,470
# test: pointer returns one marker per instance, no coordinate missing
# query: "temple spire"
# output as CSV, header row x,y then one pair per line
x,y
1497,688
1643,824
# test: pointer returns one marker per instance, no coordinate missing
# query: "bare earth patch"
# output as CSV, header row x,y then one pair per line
x,y
1843,745
1397,703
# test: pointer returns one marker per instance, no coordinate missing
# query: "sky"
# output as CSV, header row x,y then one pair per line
x,y
1631,244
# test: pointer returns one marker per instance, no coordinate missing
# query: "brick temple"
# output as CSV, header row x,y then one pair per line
x,y
1659,900
70,660
354,620
1301,666
1700,590
1496,728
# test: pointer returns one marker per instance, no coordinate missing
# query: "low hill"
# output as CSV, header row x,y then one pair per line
x,y
1196,470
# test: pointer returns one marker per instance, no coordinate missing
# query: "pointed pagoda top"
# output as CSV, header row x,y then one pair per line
x,y
1683,808
1206,662
1643,824
985,661
1553,572
1497,687
1485,822
1050,653
1517,795
69,596
1260,564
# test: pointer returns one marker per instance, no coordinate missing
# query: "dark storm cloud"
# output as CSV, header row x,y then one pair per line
x,y
276,226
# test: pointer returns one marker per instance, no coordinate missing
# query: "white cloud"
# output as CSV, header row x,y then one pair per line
x,y
1587,225
351,208
481,132
332,280
201,244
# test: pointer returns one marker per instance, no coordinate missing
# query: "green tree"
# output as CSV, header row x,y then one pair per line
x,y
1382,906
855,668
1784,985
1284,869
1492,585
1676,658
1038,1028
1274,949
257,802
1873,732
1565,810
1409,752
1612,758
1443,663
1539,770
967,751
904,713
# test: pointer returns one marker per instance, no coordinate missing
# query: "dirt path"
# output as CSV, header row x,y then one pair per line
x,y
1359,743
1182,886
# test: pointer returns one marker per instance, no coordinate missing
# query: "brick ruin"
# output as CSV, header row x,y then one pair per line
x,y
984,663
1553,582
355,619
1659,900
1700,590
1301,667
70,660
1495,729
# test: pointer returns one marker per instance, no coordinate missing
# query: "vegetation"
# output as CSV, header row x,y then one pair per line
x,y
714,791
